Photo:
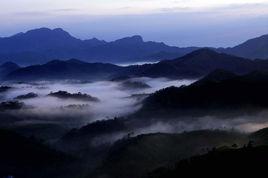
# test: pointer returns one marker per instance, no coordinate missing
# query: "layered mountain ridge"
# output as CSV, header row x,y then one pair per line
x,y
42,45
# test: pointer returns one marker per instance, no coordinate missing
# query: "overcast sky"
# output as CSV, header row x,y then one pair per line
x,y
175,22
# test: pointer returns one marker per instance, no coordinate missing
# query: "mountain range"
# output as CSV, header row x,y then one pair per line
x,y
194,65
42,45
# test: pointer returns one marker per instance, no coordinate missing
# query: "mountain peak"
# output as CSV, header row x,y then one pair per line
x,y
55,61
204,51
137,38
75,61
130,40
59,30
94,42
45,32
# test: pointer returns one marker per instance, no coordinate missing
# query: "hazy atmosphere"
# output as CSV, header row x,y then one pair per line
x,y
133,88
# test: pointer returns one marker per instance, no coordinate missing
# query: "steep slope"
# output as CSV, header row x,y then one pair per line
x,y
256,48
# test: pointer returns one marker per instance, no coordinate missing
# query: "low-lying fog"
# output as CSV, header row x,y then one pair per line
x,y
116,97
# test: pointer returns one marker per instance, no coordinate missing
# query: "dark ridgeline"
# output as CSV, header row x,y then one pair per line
x,y
200,63
218,91
62,70
74,96
193,65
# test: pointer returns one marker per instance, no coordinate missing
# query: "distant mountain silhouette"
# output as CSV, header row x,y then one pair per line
x,y
41,45
256,48
194,65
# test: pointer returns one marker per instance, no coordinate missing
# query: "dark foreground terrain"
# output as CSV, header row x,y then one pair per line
x,y
161,139
150,155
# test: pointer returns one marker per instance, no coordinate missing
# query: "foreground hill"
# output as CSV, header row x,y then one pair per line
x,y
222,150
25,157
193,65
244,161
227,160
219,91
137,156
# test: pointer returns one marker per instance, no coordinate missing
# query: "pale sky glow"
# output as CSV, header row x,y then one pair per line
x,y
108,7
172,21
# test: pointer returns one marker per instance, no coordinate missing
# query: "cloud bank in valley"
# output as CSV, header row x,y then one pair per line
x,y
114,101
